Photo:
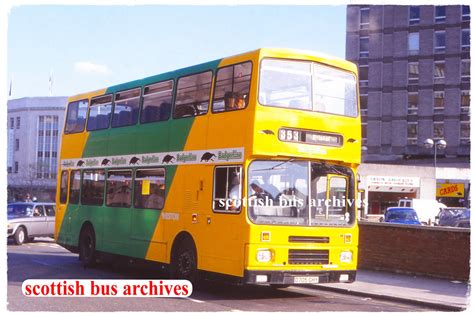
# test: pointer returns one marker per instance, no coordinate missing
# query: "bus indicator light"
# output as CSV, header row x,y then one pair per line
x,y
266,236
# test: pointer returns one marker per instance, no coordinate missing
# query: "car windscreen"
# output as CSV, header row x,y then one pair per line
x,y
19,209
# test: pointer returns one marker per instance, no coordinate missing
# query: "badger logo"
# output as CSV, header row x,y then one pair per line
x,y
106,162
134,161
208,156
80,163
167,159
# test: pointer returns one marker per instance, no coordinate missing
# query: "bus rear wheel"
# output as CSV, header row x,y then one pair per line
x,y
184,262
87,253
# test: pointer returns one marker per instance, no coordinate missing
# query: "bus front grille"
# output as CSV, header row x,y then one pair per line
x,y
308,256
309,239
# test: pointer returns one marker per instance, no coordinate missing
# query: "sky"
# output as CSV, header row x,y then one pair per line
x,y
91,47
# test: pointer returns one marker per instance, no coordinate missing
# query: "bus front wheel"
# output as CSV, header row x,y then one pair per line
x,y
87,253
184,262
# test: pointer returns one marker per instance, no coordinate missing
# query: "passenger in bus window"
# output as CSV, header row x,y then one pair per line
x,y
239,101
234,193
234,101
229,100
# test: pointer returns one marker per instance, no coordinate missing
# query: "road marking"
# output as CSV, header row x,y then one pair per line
x,y
47,264
195,300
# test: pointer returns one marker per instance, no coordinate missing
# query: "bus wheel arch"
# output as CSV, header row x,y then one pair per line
x,y
87,245
183,258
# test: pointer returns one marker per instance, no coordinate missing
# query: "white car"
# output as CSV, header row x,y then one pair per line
x,y
28,220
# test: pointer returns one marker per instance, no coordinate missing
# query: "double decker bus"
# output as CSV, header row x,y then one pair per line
x,y
242,167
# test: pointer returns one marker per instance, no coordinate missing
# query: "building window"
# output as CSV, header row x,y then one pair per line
x,y
18,122
150,190
413,43
364,134
465,101
412,103
17,144
438,130
157,102
12,122
364,101
465,39
364,47
47,145
466,70
439,72
413,73
438,102
412,133
465,130
119,188
192,95
414,18
364,18
16,166
126,108
440,14
440,42
466,13
364,76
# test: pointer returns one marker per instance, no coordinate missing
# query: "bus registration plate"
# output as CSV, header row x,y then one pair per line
x,y
306,279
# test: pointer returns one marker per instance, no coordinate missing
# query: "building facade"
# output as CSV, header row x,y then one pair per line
x,y
34,132
414,80
414,67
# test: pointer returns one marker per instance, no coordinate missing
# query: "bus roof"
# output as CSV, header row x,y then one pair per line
x,y
261,52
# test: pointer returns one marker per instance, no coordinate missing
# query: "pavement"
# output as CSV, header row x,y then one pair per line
x,y
448,295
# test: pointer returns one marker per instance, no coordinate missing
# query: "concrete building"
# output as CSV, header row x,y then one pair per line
x,y
34,132
414,77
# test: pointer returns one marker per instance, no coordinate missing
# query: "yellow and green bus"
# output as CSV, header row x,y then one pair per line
x,y
242,167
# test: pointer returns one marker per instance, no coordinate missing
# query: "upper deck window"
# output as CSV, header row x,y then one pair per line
x,y
157,102
76,117
99,113
232,87
307,85
192,96
126,108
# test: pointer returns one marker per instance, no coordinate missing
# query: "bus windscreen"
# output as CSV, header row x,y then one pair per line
x,y
307,86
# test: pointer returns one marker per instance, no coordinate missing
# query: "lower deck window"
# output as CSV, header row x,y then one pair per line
x,y
93,183
150,188
119,188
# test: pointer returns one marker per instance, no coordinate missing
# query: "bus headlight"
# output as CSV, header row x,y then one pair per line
x,y
264,255
346,256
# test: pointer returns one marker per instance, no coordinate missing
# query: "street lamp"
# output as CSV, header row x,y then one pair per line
x,y
440,144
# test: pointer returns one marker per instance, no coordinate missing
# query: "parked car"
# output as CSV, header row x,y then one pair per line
x,y
454,217
425,209
401,215
29,220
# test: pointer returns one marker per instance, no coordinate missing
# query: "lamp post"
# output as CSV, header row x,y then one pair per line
x,y
440,144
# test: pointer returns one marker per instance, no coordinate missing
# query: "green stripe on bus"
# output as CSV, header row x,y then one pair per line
x,y
142,138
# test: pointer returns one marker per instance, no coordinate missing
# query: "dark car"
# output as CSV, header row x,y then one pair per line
x,y
401,215
454,217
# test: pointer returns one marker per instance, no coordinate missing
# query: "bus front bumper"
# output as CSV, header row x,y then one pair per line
x,y
298,277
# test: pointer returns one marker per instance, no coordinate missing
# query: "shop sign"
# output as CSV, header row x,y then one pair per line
x,y
411,182
450,190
